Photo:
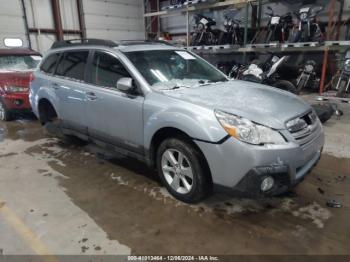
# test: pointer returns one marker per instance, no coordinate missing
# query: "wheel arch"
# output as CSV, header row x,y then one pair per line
x,y
172,132
46,110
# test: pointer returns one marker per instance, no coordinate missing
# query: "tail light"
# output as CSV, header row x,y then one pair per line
x,y
31,78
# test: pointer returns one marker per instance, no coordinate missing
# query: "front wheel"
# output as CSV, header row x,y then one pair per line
x,y
343,87
286,85
183,171
5,115
301,83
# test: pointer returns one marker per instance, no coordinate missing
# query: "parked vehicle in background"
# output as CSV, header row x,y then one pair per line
x,y
233,32
308,29
343,83
278,27
204,33
308,78
267,73
178,113
16,67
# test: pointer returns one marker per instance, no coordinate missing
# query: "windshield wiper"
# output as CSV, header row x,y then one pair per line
x,y
176,87
208,82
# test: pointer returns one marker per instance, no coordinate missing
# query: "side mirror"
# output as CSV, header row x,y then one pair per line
x,y
125,84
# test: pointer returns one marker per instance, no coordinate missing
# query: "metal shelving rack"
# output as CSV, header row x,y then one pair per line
x,y
277,48
185,10
325,48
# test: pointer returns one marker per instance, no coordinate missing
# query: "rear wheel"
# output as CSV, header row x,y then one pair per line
x,y
5,115
286,85
48,118
268,37
183,171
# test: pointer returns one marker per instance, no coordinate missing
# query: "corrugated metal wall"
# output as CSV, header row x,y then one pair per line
x,y
114,19
109,19
39,15
11,20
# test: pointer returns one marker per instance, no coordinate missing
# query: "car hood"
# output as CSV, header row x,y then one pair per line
x,y
261,104
15,78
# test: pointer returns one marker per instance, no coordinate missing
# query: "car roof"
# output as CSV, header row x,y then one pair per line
x,y
144,47
123,46
18,51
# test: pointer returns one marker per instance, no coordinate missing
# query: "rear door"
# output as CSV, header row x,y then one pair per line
x,y
113,116
69,86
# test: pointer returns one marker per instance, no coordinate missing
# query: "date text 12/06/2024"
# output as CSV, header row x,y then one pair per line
x,y
173,258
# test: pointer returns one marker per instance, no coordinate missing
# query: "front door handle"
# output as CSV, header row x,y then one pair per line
x,y
91,96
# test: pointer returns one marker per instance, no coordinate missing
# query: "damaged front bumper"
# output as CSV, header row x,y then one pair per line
x,y
240,167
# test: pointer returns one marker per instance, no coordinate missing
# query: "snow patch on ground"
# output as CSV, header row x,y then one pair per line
x,y
317,214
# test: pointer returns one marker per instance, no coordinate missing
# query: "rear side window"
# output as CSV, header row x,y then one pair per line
x,y
49,64
73,64
107,70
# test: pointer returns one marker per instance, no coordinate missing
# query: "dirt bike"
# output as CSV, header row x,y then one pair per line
x,y
232,34
204,34
267,73
343,83
308,30
278,27
308,77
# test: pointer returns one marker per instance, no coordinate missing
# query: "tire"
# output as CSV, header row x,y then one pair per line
x,y
188,181
194,41
342,90
222,38
324,112
268,37
286,85
295,37
304,37
300,85
5,115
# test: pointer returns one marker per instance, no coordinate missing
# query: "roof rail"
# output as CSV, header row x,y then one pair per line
x,y
141,42
83,42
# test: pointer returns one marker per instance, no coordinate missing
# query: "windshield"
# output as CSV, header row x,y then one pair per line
x,y
170,69
19,63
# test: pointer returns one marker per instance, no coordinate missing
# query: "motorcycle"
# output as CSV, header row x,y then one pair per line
x,y
267,73
278,27
233,32
308,77
204,34
343,84
308,29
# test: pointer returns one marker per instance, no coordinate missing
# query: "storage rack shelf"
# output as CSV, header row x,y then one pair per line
x,y
199,6
278,48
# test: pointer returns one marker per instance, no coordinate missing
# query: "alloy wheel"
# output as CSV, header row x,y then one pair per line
x,y
177,171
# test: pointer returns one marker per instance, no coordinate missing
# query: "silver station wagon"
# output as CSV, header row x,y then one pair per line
x,y
170,108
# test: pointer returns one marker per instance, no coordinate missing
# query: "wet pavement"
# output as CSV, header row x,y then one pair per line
x,y
74,199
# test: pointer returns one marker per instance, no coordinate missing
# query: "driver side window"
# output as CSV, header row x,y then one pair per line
x,y
106,70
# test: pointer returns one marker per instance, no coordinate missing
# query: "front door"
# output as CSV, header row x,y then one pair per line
x,y
113,116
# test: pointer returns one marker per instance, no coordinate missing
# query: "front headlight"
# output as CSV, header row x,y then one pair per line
x,y
309,68
15,89
347,65
248,132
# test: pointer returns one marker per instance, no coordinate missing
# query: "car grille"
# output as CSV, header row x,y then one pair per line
x,y
304,129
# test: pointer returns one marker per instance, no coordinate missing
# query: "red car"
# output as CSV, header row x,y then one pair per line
x,y
16,67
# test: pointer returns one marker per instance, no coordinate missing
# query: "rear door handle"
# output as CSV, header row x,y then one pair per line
x,y
91,96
